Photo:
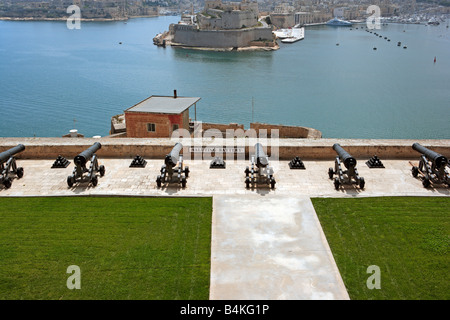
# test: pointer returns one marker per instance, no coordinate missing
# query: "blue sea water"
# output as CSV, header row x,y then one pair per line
x,y
53,79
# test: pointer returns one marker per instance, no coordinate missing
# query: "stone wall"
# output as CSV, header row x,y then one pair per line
x,y
282,20
219,19
307,149
283,131
191,37
288,131
219,126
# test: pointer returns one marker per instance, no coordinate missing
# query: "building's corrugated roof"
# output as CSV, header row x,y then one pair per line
x,y
164,104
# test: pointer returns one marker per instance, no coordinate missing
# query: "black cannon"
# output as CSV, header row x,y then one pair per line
x,y
8,165
259,171
170,167
348,176
80,167
432,167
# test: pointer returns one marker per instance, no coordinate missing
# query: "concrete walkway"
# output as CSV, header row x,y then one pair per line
x,y
270,247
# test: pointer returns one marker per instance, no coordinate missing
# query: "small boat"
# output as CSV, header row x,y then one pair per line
x,y
433,22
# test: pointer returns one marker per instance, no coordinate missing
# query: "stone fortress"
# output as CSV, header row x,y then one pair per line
x,y
221,26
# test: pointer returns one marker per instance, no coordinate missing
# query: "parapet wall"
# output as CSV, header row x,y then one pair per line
x,y
283,131
219,126
287,131
307,149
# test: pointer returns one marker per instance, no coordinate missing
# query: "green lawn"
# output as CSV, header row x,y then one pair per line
x,y
126,248
407,238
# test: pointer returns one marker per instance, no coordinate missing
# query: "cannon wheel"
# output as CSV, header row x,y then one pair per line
x,y
330,173
101,169
247,182
272,183
70,181
7,183
158,181
186,171
19,172
336,183
247,171
362,183
421,165
415,171
94,181
183,182
426,183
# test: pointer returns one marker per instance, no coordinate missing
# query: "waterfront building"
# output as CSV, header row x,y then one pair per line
x,y
158,116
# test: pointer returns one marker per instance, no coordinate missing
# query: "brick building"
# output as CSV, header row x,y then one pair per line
x,y
158,116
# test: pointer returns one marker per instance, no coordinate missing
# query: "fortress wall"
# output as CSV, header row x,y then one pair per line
x,y
307,149
221,127
219,38
238,19
282,20
288,131
227,19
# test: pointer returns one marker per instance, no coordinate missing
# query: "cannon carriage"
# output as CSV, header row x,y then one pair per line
x,y
432,167
8,165
170,172
349,176
259,171
83,174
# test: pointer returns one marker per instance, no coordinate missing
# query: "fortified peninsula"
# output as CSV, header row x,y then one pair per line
x,y
221,27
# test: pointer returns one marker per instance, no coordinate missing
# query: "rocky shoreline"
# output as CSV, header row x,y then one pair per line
x,y
166,39
81,19
238,49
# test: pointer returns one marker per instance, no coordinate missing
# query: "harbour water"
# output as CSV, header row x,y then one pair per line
x,y
53,79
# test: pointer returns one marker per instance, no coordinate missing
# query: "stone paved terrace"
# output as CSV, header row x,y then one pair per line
x,y
317,155
395,180
266,244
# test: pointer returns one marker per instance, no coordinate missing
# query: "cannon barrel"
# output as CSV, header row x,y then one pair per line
x,y
84,156
348,160
5,155
261,158
172,158
438,159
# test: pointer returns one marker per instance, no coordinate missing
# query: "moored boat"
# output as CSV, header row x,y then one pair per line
x,y
339,23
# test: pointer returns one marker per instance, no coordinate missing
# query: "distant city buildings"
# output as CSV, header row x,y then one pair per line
x,y
285,12
92,9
